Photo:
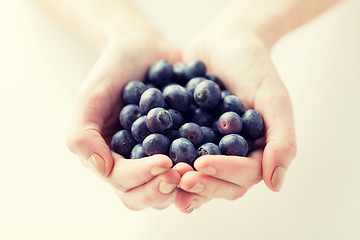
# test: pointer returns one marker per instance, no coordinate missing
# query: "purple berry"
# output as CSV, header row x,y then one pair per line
x,y
177,118
122,142
150,99
158,120
128,115
201,117
160,73
233,144
133,91
229,122
208,149
177,97
182,150
139,130
195,68
156,144
179,73
232,103
192,132
137,152
207,94
209,135
253,124
192,83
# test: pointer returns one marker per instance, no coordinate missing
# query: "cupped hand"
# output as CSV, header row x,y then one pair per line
x,y
242,62
149,182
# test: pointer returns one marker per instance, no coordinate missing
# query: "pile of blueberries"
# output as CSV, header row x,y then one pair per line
x,y
182,112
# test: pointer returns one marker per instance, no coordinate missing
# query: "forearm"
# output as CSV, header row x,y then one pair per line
x,y
97,21
270,20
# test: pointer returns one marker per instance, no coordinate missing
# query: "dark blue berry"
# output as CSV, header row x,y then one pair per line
x,y
150,99
182,150
156,143
179,73
207,94
233,144
225,93
232,103
158,120
209,135
160,73
229,122
137,152
202,117
128,115
132,92
253,124
139,130
216,80
177,97
195,68
208,149
122,142
171,134
177,118
192,132
192,83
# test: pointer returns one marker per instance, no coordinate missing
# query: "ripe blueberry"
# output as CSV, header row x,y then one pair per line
x,y
158,120
160,73
122,142
132,92
150,99
233,144
182,150
128,115
229,122
156,143
207,94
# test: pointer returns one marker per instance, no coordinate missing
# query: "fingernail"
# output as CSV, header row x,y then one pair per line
x,y
97,164
277,178
208,170
191,206
157,171
166,188
197,188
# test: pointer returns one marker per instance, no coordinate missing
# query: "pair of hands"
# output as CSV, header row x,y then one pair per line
x,y
242,62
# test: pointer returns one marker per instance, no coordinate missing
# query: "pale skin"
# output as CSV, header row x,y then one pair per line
x,y
235,46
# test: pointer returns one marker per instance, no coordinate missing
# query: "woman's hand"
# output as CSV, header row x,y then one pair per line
x,y
242,62
149,182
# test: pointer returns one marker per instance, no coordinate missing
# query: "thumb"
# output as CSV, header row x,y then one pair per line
x,y
92,149
280,149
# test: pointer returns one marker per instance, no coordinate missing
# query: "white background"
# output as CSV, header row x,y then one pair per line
x,y
45,193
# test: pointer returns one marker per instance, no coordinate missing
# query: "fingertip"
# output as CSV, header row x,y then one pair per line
x,y
276,160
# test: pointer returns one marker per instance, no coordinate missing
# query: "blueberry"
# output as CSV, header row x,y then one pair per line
x,y
229,122
139,130
150,99
132,92
207,94
192,132
253,124
233,144
137,152
208,149
195,68
177,97
160,73
209,135
171,134
149,85
128,115
216,80
122,142
192,83
179,73
201,117
232,103
182,150
225,93
158,120
156,143
177,118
